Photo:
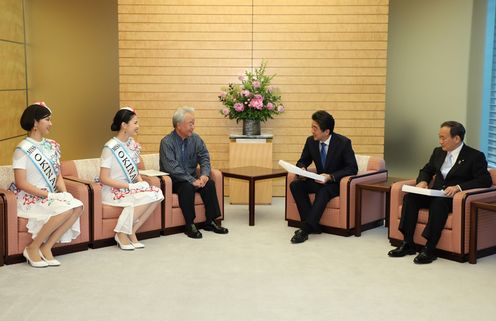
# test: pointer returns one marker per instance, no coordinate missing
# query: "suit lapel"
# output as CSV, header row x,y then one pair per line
x,y
459,161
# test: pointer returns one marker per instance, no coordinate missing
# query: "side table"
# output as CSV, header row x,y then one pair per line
x,y
474,222
252,174
383,187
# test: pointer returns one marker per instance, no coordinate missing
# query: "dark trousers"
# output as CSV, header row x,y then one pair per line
x,y
310,214
439,209
186,195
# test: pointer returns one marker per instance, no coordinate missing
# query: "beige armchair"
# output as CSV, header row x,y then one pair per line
x,y
174,219
339,215
16,233
454,241
103,217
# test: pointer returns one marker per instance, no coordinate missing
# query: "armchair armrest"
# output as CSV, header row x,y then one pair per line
x,y
216,176
347,193
461,211
94,191
167,199
397,194
11,225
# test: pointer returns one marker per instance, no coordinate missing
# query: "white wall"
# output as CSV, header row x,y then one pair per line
x,y
431,46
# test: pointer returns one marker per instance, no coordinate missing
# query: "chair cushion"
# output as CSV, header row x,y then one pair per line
x,y
334,203
424,217
88,169
6,176
175,200
21,224
151,161
109,212
362,162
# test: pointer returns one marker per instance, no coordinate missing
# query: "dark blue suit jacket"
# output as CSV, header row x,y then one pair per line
x,y
469,170
340,159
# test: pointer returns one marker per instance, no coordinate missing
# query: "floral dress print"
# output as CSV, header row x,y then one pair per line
x,y
38,210
123,197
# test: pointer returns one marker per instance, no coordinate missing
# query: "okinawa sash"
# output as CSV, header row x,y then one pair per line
x,y
46,168
128,166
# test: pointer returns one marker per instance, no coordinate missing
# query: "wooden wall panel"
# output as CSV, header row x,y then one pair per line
x,y
12,21
13,66
12,76
327,55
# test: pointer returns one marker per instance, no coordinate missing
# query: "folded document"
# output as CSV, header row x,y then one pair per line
x,y
298,171
152,172
423,191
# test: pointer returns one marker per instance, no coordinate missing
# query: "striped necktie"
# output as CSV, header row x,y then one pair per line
x,y
323,153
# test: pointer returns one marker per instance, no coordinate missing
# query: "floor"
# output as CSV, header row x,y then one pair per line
x,y
253,273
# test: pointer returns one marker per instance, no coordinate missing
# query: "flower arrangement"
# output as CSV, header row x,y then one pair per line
x,y
254,99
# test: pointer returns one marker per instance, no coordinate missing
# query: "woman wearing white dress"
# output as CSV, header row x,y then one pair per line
x,y
42,198
122,183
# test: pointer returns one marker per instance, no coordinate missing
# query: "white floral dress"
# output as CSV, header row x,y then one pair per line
x,y
123,197
38,210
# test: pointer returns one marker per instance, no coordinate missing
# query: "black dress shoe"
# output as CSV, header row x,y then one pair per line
x,y
424,257
192,231
213,227
404,249
300,236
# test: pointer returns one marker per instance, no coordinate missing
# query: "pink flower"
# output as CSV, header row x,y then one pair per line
x,y
270,88
225,111
270,106
239,107
256,84
280,109
222,94
242,78
246,93
257,102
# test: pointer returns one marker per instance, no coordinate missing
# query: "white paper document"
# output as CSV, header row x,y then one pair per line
x,y
298,171
152,172
423,191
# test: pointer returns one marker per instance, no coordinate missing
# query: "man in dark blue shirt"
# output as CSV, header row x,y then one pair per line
x,y
181,152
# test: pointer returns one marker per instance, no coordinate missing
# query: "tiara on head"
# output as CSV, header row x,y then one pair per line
x,y
42,103
128,108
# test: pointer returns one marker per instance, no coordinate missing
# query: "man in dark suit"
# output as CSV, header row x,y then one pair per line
x,y
334,159
455,167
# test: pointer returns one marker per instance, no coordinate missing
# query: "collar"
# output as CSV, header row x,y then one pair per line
x,y
327,141
455,152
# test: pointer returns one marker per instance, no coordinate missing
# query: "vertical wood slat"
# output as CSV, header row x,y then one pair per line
x,y
328,56
12,76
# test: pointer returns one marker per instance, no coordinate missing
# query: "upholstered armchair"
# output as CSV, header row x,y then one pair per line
x,y
339,215
103,218
16,233
174,219
454,241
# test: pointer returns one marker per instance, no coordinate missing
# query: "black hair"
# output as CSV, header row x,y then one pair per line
x,y
456,129
324,119
32,113
122,116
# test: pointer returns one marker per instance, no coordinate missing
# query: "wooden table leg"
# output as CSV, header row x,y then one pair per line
x,y
472,252
251,202
358,211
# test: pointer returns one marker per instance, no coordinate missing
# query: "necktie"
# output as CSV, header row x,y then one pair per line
x,y
323,153
183,154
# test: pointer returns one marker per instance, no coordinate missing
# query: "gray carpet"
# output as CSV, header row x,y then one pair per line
x,y
253,273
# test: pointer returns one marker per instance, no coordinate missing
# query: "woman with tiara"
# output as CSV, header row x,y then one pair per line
x,y
42,198
122,183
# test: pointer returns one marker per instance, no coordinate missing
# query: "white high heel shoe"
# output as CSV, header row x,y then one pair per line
x,y
53,262
138,245
37,264
126,247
